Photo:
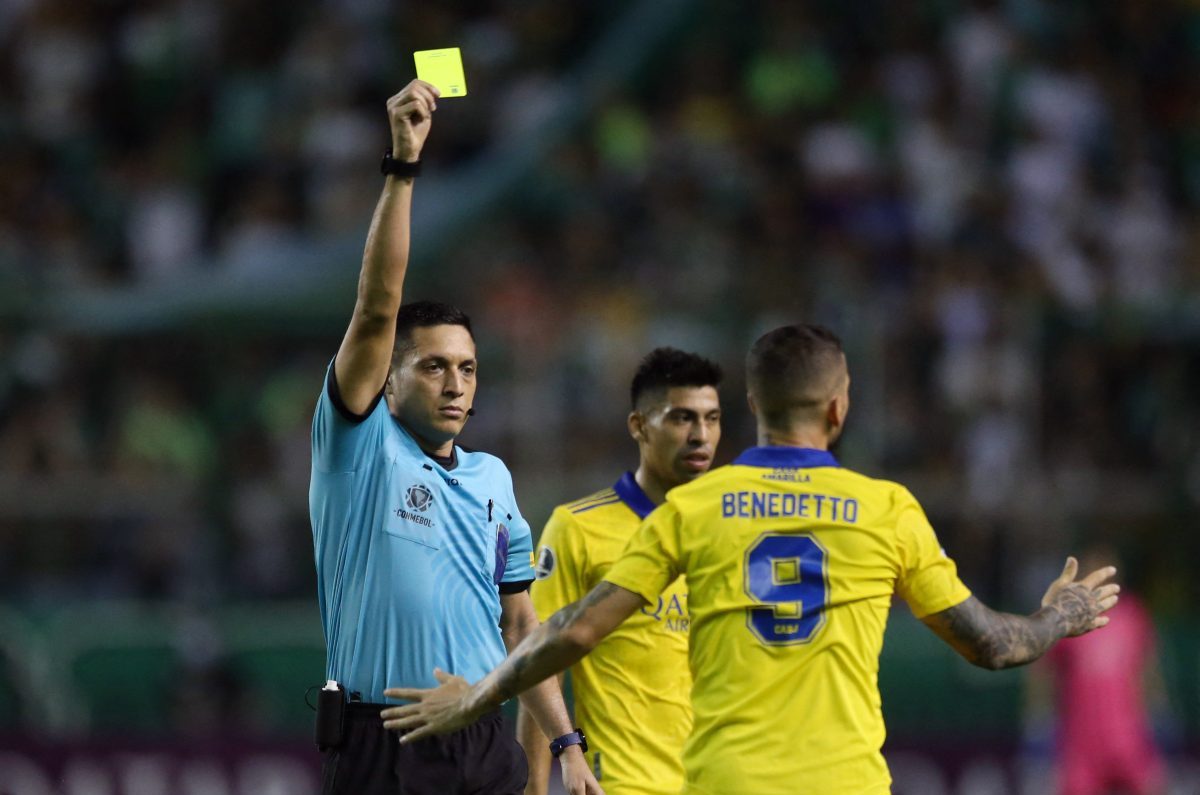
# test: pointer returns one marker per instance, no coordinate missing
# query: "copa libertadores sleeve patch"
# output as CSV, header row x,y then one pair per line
x,y
545,563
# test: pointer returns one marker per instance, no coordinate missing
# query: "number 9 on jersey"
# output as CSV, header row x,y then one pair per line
x,y
786,573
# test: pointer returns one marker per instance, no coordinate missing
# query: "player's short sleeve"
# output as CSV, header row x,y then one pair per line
x,y
652,559
341,440
928,579
561,562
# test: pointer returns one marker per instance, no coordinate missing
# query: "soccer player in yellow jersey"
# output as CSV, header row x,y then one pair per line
x,y
791,563
632,691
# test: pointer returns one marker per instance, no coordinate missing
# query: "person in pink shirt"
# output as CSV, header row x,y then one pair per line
x,y
1105,742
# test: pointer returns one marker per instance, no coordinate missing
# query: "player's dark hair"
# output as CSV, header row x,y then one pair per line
x,y
423,314
792,369
664,368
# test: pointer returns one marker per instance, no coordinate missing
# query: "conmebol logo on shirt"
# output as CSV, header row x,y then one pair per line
x,y
418,498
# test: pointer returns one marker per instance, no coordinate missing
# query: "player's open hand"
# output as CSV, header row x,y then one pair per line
x,y
437,711
577,776
1081,604
410,113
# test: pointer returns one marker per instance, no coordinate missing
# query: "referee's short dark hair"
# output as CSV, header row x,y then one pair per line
x,y
664,368
423,314
794,369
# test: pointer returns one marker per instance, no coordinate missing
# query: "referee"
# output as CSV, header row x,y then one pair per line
x,y
422,556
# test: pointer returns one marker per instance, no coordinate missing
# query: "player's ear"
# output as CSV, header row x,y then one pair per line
x,y
835,414
636,424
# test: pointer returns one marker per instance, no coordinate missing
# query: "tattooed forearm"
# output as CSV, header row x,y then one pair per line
x,y
554,646
994,640
1001,640
990,639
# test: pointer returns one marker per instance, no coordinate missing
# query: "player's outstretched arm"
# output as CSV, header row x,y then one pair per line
x,y
553,647
365,355
995,640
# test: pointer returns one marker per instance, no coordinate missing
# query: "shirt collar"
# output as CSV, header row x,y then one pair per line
x,y
786,458
631,494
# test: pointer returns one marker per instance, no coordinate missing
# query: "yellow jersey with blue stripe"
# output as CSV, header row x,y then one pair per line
x,y
631,692
791,564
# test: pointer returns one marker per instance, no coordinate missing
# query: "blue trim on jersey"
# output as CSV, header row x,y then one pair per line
x,y
604,496
613,500
786,458
631,493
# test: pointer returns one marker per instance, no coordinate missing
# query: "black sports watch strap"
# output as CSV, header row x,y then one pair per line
x,y
399,168
560,744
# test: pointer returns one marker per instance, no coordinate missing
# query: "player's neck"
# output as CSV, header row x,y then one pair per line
x,y
800,436
652,487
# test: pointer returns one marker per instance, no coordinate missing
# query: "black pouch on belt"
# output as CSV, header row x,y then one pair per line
x,y
331,715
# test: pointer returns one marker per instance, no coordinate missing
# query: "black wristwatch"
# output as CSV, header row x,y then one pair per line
x,y
560,744
399,168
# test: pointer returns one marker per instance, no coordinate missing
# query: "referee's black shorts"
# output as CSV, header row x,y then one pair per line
x,y
481,759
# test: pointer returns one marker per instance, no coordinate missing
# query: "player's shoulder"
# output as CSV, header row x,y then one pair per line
x,y
713,480
887,491
595,501
575,523
700,489
863,479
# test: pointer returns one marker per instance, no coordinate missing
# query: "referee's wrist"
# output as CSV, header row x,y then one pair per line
x,y
565,742
401,167
572,753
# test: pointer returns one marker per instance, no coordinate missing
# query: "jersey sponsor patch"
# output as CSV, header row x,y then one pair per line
x,y
545,563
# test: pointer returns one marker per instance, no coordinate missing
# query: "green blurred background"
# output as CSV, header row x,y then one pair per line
x,y
995,204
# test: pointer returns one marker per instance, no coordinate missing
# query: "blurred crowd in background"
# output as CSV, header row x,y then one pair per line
x,y
997,204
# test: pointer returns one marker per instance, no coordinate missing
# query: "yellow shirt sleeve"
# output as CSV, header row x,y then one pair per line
x,y
651,560
561,565
928,578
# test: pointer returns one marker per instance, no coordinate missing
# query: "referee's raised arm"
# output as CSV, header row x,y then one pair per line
x,y
365,355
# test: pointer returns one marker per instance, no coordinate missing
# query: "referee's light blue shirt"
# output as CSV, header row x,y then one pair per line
x,y
411,558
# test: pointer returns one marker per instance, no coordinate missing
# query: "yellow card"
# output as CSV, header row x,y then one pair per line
x,y
444,69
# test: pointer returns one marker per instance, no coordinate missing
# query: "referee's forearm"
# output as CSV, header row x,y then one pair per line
x,y
545,704
537,751
385,256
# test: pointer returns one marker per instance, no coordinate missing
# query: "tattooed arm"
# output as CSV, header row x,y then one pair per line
x,y
995,640
555,646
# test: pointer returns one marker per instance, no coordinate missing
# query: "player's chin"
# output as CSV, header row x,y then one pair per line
x,y
690,467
